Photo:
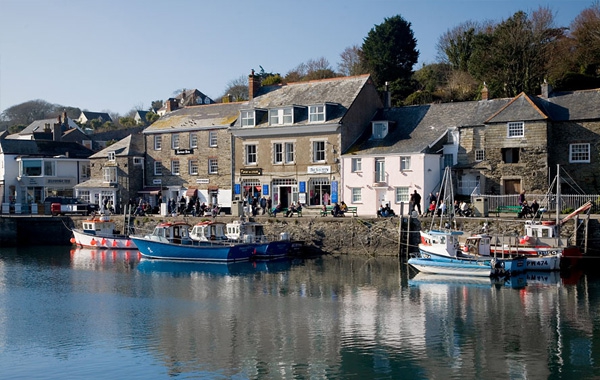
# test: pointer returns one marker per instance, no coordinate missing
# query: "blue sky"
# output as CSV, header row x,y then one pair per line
x,y
116,55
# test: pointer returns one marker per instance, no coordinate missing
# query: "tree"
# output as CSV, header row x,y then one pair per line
x,y
350,63
156,105
127,122
456,45
151,117
310,70
585,30
27,112
389,54
237,89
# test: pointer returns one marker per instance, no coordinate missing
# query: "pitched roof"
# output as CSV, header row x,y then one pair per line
x,y
132,145
37,126
571,105
197,117
340,92
44,148
96,115
414,128
521,108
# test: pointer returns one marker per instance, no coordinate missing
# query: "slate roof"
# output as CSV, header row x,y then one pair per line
x,y
197,117
414,128
341,92
132,145
96,115
571,106
38,126
44,148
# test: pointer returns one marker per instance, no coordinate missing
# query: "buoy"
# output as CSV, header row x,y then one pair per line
x,y
128,244
72,240
465,249
114,244
93,242
103,241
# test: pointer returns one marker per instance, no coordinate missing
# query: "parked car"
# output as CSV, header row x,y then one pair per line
x,y
66,205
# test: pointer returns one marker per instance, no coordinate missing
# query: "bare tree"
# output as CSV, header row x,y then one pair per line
x,y
351,63
237,89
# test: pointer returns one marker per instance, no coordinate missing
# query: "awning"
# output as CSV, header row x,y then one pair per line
x,y
213,188
258,188
191,192
150,190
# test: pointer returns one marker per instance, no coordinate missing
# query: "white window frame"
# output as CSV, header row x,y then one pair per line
x,y
290,157
479,155
380,129
319,151
251,154
515,129
175,140
111,156
109,174
212,139
356,195
402,194
193,167
281,116
158,168
579,153
157,142
405,163
138,161
193,140
213,166
247,118
175,167
316,113
356,165
379,170
278,153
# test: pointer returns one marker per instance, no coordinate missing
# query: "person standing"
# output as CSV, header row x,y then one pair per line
x,y
415,199
522,198
263,205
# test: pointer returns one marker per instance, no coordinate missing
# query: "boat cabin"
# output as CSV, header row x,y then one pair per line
x,y
445,243
101,226
246,231
208,231
544,230
477,245
171,232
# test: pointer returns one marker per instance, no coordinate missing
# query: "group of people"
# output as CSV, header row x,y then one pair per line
x,y
528,210
339,209
385,211
293,208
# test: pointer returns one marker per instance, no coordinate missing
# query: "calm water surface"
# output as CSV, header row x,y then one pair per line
x,y
83,314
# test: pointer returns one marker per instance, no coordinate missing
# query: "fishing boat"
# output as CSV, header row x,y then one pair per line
x,y
100,232
253,232
208,231
440,249
172,241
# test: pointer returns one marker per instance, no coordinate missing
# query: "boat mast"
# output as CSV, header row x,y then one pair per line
x,y
558,199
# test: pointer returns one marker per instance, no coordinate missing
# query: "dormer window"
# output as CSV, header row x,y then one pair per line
x,y
316,114
281,116
247,118
380,129
111,156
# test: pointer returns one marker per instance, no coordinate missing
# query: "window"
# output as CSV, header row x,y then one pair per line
x,y
516,129
175,167
289,153
380,170
212,139
281,116
49,168
84,195
380,130
579,153
402,194
157,168
31,168
510,155
316,113
85,170
356,165
318,151
138,160
251,158
193,167
110,174
193,140
404,163
213,167
111,156
175,141
278,153
247,118
479,154
356,195
157,142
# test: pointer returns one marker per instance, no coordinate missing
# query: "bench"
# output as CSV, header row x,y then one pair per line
x,y
349,210
506,210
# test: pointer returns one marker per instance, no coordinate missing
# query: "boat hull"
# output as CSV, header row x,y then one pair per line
x,y
86,240
196,251
273,250
479,268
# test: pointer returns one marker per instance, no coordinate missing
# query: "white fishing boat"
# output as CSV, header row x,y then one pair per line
x,y
100,232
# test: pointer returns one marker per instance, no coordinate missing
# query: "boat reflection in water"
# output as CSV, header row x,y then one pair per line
x,y
189,268
515,281
91,258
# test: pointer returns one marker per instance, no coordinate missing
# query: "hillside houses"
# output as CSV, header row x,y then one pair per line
x,y
333,140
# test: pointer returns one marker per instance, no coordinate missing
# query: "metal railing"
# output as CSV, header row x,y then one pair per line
x,y
569,202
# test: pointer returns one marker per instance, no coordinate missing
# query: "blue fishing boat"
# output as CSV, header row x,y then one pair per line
x,y
171,241
253,232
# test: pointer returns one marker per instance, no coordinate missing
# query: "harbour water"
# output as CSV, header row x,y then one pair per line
x,y
83,314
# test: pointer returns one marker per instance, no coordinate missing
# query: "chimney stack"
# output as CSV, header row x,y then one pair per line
x,y
171,104
546,90
253,85
484,92
57,131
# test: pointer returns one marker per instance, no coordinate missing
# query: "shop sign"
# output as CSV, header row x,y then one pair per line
x,y
183,151
319,169
254,171
203,180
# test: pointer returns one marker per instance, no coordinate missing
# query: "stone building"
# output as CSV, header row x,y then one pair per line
x,y
189,154
288,139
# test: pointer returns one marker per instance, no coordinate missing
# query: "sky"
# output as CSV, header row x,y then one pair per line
x,y
119,55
